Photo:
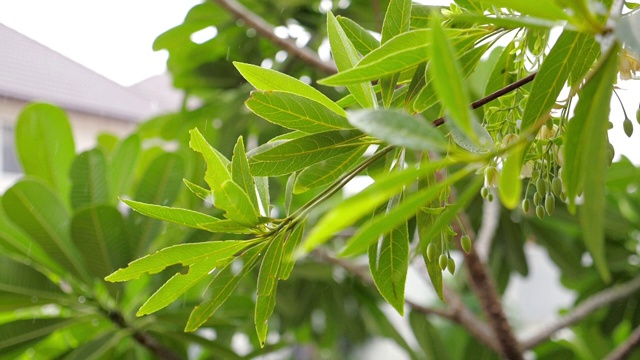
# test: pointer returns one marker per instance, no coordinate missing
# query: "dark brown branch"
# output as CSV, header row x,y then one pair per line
x,y
143,338
587,307
487,99
267,30
624,350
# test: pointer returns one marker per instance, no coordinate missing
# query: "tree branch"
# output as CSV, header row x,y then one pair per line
x,y
587,307
624,350
267,30
487,231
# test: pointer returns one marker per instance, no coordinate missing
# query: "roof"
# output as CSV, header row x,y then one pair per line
x,y
30,71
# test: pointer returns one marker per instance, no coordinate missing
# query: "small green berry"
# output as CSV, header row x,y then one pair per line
x,y
451,266
541,185
537,198
535,174
465,242
443,262
431,251
540,211
550,203
526,204
484,192
638,115
490,197
556,186
628,127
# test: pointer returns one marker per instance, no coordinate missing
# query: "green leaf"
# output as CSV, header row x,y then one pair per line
x,y
325,172
217,172
223,284
123,164
267,79
546,9
99,233
484,140
262,184
551,78
45,146
199,191
89,184
41,214
448,82
267,283
352,209
346,57
361,39
24,332
585,157
13,240
589,50
510,187
428,336
236,204
369,232
295,112
241,174
291,244
396,21
398,128
185,254
98,347
18,278
285,158
389,263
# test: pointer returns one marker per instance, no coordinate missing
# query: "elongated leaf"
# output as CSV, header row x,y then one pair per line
x,y
552,76
45,145
123,163
18,278
389,263
510,187
217,171
352,209
99,233
41,214
291,244
89,184
369,232
267,283
585,157
241,175
346,57
325,172
297,154
295,112
262,184
589,50
98,347
223,284
185,254
199,191
448,82
396,21
361,39
546,9
267,79
13,240
236,203
24,332
399,128
484,140
428,336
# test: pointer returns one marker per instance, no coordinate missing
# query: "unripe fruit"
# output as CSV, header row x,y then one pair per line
x,y
431,252
638,115
556,186
550,203
537,198
540,212
451,266
491,177
628,127
484,192
541,185
465,242
443,262
535,174
526,204
490,197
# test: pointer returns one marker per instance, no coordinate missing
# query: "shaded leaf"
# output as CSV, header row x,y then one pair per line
x,y
25,332
18,278
89,182
267,284
291,244
123,164
428,336
626,30
546,9
396,21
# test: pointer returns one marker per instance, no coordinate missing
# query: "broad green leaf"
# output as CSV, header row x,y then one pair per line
x,y
585,157
297,154
223,284
325,172
361,39
123,163
369,232
448,82
187,217
267,79
626,30
396,21
502,73
41,214
185,254
551,77
346,57
241,174
267,284
25,332
14,240
389,263
546,9
291,244
236,204
217,171
352,209
421,15
295,112
18,278
398,128
510,187
89,182
589,50
484,140
99,234
428,336
45,146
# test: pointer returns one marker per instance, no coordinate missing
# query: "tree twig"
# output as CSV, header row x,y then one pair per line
x,y
624,350
587,307
267,30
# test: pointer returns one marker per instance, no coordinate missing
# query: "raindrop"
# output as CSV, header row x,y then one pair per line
x,y
34,299
204,35
82,299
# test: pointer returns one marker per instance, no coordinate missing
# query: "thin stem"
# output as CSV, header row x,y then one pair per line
x,y
624,350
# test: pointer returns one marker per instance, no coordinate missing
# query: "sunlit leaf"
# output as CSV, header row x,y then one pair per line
x,y
217,171
396,21
89,182
510,187
236,203
546,9
361,39
241,175
328,170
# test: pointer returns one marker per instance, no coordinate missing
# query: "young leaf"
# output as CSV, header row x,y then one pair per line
x,y
89,179
327,171
396,21
510,187
223,284
585,157
297,154
546,9
389,263
199,191
295,112
236,204
398,128
346,57
217,172
267,79
240,173
361,39
185,254
267,283
288,260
